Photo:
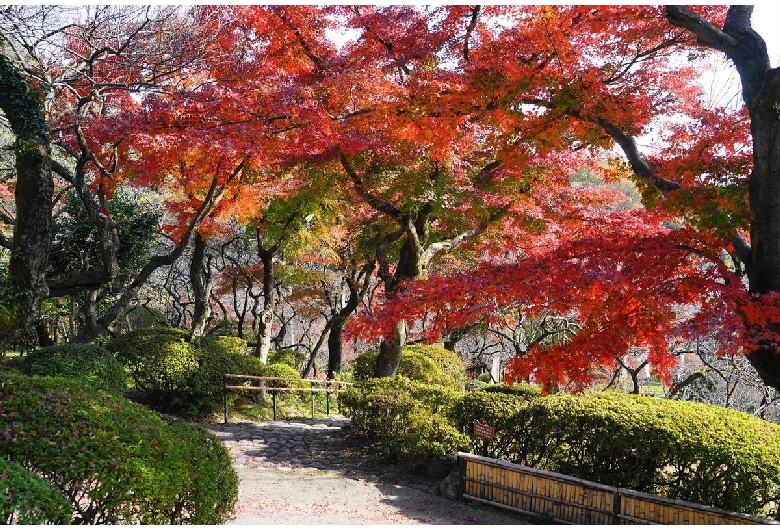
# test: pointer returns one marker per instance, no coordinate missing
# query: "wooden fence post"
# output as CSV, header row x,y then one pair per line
x,y
225,392
616,508
462,478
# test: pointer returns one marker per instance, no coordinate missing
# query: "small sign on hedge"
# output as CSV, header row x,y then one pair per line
x,y
484,431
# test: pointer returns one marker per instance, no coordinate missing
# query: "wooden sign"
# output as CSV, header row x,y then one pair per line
x,y
484,431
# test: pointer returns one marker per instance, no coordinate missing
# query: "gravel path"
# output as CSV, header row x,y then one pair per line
x,y
310,472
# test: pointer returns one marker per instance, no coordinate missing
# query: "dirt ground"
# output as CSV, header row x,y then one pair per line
x,y
312,472
268,496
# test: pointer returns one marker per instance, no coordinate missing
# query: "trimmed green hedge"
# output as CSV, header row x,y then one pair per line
x,y
682,450
92,364
27,499
691,451
406,418
419,362
115,460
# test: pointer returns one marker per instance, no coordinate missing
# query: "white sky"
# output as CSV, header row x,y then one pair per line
x,y
766,18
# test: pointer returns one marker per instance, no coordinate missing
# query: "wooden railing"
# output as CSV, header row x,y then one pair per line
x,y
567,499
329,386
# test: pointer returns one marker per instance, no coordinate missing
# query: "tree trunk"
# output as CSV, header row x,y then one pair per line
x,y
264,325
760,89
389,357
336,344
200,280
90,313
32,233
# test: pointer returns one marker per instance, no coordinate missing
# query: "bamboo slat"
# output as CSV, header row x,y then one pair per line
x,y
568,499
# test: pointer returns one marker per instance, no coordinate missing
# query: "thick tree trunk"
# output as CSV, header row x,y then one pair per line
x,y
390,352
89,310
201,288
32,233
335,344
764,267
761,93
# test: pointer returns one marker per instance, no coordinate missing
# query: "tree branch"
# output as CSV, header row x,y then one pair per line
x,y
638,163
706,33
469,30
742,249
375,202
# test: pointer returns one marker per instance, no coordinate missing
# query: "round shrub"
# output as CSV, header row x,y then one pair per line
x,y
517,389
117,461
430,443
485,377
289,357
426,364
448,362
89,363
174,375
160,360
232,345
27,499
474,385
288,372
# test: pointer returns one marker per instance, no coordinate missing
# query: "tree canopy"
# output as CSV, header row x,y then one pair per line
x,y
472,158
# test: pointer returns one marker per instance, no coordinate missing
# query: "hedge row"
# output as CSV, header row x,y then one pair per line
x,y
27,499
113,460
89,363
406,418
691,451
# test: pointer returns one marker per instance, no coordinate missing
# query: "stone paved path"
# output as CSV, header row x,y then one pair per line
x,y
309,472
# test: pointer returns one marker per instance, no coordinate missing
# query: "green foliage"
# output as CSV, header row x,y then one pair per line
x,y
90,363
117,461
288,372
160,360
405,417
289,357
474,385
423,363
448,362
430,439
26,499
173,375
690,451
518,389
76,244
232,345
499,408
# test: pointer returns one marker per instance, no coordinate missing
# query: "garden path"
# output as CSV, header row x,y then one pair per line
x,y
311,472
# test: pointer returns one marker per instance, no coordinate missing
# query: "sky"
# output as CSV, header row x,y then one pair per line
x,y
766,18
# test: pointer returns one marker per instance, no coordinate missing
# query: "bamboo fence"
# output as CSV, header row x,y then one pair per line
x,y
567,499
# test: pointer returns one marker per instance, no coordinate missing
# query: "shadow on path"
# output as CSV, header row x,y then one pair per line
x,y
314,472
